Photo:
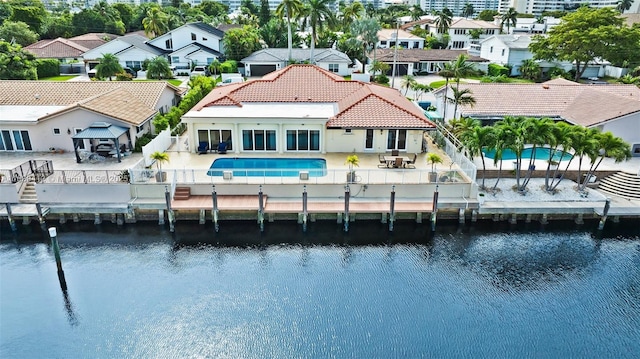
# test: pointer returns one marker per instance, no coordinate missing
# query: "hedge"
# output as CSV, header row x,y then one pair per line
x,y
497,70
47,68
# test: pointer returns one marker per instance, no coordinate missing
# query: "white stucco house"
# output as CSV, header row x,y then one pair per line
x,y
460,32
265,61
421,61
508,50
306,109
194,43
43,115
131,50
388,38
607,107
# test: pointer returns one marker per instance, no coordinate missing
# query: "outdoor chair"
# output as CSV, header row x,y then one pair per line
x,y
203,147
222,148
412,163
398,162
395,152
383,163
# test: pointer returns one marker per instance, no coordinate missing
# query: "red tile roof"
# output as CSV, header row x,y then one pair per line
x,y
59,48
358,104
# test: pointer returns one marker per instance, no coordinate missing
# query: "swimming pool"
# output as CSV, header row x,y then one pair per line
x,y
542,153
269,167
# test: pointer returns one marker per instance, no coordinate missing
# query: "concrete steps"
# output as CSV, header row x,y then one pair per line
x,y
29,194
182,193
622,184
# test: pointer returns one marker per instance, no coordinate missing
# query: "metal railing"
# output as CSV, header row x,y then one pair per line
x,y
453,148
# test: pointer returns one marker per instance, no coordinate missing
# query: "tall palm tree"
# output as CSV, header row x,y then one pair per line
x,y
419,89
475,139
443,20
407,82
468,10
446,71
317,14
416,12
156,22
109,66
624,5
351,12
584,142
461,68
560,140
608,146
158,68
514,136
365,33
509,18
290,9
461,97
537,131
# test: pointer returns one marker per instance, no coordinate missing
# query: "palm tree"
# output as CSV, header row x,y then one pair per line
x,y
560,139
608,146
416,12
290,9
419,89
365,33
530,69
443,20
475,139
513,131
461,68
624,5
537,132
407,82
317,13
379,67
584,142
461,97
353,11
468,10
158,68
109,66
509,18
156,22
160,158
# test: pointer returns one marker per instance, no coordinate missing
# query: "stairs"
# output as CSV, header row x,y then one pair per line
x,y
29,193
622,184
182,193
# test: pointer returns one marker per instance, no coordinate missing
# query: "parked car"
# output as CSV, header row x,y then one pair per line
x,y
199,71
231,80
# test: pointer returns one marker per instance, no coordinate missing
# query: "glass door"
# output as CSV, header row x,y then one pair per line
x,y
368,140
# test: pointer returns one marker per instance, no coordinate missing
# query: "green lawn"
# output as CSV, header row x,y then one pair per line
x,y
438,84
58,78
174,82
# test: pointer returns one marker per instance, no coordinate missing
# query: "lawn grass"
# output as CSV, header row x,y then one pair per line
x,y
440,83
58,78
174,82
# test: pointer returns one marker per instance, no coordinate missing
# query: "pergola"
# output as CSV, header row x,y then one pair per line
x,y
101,131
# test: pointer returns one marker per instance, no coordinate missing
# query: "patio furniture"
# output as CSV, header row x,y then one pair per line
x,y
395,152
222,148
392,161
203,147
382,162
412,163
398,163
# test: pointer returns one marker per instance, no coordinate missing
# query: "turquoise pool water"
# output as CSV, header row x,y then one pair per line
x,y
542,153
269,167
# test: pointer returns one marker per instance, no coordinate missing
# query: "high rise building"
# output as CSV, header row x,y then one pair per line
x,y
537,7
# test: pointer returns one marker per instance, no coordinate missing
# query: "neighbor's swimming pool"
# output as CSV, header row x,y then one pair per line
x,y
269,167
542,153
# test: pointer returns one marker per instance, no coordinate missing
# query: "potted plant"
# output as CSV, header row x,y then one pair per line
x,y
352,161
433,159
160,157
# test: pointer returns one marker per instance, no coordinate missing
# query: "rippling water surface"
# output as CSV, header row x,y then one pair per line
x,y
139,292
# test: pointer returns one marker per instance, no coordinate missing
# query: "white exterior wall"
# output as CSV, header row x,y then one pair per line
x,y
339,141
167,99
110,47
343,68
515,59
134,54
625,127
201,58
181,37
83,193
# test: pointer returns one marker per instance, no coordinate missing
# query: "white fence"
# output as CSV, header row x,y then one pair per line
x,y
161,143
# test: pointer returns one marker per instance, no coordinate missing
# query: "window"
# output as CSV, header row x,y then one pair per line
x,y
383,43
15,140
397,140
133,64
56,131
347,131
193,37
334,67
140,128
175,59
368,139
214,137
303,140
259,140
204,39
460,31
168,44
491,49
502,52
457,45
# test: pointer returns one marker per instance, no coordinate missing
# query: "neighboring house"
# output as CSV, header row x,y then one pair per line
x,y
40,115
509,50
93,39
265,61
131,51
191,44
388,38
460,32
303,108
418,61
609,107
64,50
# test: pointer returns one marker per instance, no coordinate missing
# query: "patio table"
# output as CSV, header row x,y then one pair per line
x,y
391,160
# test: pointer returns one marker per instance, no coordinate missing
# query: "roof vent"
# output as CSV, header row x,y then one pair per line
x,y
37,96
546,87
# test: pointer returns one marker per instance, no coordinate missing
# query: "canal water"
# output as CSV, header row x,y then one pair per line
x,y
492,290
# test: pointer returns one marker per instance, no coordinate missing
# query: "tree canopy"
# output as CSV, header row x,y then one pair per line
x,y
587,35
241,42
15,63
17,31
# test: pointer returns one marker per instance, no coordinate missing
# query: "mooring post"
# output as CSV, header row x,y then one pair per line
x,y
347,193
12,222
392,208
260,210
167,198
607,205
40,216
434,210
214,213
304,208
53,233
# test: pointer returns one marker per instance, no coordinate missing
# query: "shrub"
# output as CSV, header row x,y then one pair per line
x,y
47,68
159,123
142,141
229,67
145,63
124,76
382,79
497,70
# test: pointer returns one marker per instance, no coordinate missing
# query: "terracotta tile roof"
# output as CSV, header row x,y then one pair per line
x,y
586,105
59,48
390,34
118,103
93,39
358,104
420,55
60,93
463,23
